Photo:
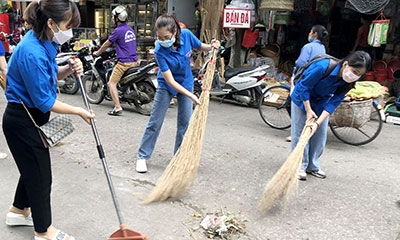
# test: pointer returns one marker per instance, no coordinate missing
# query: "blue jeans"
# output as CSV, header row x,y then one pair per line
x,y
316,144
160,107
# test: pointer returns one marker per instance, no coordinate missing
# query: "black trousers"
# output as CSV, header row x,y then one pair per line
x,y
33,162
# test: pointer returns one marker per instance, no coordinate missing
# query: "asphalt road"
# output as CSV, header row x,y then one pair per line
x,y
358,200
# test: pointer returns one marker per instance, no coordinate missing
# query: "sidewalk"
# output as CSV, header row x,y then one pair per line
x,y
358,199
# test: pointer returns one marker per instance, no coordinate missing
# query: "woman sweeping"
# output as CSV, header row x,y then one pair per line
x,y
172,52
32,77
318,98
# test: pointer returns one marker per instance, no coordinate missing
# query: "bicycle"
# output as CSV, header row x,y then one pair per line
x,y
274,109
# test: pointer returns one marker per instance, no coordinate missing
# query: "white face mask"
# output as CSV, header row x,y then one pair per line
x,y
61,37
348,76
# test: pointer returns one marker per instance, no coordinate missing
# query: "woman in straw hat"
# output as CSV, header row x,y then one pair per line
x,y
318,98
173,50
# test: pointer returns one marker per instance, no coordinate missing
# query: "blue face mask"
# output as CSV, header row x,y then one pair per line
x,y
310,39
167,43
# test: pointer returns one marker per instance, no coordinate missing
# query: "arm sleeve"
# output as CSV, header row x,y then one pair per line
x,y
304,56
38,81
2,51
334,102
194,41
113,36
161,62
310,78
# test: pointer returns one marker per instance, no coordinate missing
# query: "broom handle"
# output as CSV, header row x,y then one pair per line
x,y
100,151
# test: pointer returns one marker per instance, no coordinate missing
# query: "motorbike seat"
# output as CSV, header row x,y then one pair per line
x,y
140,70
235,71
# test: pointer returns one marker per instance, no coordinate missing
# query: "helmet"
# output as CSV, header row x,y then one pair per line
x,y
120,12
182,25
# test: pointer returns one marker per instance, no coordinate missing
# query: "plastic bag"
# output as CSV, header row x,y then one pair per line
x,y
377,34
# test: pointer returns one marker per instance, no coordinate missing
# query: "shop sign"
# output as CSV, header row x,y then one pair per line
x,y
236,18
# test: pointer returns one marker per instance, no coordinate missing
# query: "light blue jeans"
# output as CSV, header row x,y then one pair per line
x,y
316,144
160,107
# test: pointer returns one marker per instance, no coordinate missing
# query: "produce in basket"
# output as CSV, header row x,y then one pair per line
x,y
366,90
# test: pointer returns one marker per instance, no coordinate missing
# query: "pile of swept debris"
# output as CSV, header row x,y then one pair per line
x,y
222,225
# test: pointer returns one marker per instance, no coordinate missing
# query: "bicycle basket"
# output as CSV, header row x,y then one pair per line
x,y
352,114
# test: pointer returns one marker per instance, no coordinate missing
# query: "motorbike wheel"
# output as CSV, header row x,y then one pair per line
x,y
148,92
94,89
197,89
71,85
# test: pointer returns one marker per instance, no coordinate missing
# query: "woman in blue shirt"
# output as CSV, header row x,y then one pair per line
x,y
173,50
316,36
3,71
315,47
32,77
316,98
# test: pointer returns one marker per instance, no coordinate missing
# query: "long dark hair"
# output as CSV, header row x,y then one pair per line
x,y
171,23
322,33
38,12
357,59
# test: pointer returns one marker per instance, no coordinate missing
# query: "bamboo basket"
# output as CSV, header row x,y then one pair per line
x,y
352,114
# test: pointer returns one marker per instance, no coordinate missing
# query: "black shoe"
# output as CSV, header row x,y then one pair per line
x,y
317,173
115,112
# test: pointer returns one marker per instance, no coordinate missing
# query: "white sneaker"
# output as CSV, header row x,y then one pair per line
x,y
141,166
15,219
302,175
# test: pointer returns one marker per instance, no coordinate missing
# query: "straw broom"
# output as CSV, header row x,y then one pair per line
x,y
285,179
182,169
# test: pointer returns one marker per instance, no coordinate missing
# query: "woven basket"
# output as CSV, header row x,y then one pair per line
x,y
352,114
279,5
272,51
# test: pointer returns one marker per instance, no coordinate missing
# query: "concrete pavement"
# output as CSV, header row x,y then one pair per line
x,y
358,199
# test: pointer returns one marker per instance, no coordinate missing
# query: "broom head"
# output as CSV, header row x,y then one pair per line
x,y
285,179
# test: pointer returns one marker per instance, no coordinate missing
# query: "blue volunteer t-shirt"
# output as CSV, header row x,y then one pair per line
x,y
309,51
322,93
177,61
124,40
2,51
32,73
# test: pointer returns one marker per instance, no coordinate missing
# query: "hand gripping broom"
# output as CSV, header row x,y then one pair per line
x,y
286,178
182,169
123,233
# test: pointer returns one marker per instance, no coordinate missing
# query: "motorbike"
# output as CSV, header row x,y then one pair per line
x,y
70,85
242,85
135,87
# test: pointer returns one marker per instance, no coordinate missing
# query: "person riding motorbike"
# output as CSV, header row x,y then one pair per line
x,y
124,39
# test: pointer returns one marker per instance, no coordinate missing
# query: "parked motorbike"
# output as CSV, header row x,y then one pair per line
x,y
70,84
135,87
242,85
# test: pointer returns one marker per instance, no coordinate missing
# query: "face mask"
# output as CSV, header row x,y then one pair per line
x,y
310,39
348,76
61,37
167,43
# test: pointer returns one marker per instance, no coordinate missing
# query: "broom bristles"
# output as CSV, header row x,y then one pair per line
x,y
285,179
182,169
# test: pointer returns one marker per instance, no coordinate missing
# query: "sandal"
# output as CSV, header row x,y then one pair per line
x,y
115,112
15,219
60,235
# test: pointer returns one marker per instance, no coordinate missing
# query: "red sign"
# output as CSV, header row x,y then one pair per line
x,y
236,18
